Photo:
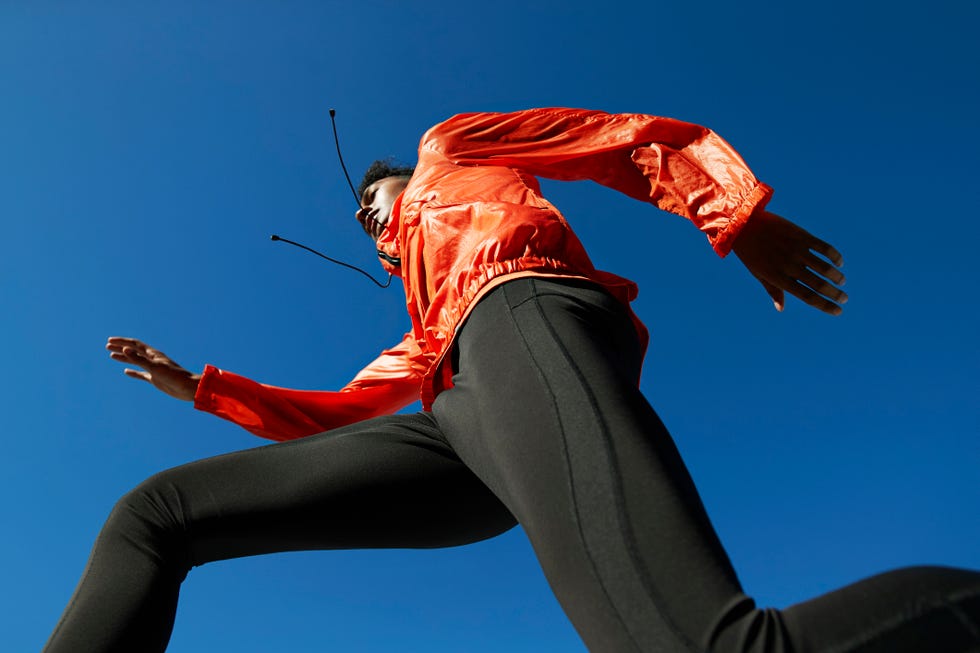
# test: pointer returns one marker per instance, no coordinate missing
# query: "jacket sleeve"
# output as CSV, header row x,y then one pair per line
x,y
389,383
681,167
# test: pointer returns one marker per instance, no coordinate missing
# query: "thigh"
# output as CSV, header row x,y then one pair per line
x,y
547,412
387,482
546,409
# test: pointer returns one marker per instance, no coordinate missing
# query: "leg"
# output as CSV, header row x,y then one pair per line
x,y
546,411
929,609
389,482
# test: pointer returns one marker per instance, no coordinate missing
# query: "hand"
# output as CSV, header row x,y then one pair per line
x,y
158,369
783,257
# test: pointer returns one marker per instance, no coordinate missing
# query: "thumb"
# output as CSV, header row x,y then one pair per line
x,y
778,298
138,374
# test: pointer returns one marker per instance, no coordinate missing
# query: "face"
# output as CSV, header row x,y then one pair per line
x,y
376,204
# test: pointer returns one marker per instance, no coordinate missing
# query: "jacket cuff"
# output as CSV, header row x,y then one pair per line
x,y
756,200
204,396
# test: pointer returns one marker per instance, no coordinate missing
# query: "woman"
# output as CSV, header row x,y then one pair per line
x,y
526,359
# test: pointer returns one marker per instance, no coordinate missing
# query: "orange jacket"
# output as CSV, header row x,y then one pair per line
x,y
472,217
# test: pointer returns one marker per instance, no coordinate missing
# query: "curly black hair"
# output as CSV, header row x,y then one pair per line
x,y
381,169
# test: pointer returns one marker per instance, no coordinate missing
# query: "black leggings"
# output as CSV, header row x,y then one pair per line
x,y
545,427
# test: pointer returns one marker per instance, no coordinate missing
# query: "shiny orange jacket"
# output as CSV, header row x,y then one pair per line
x,y
472,217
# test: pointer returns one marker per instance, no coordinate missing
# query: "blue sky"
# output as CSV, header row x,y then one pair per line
x,y
147,151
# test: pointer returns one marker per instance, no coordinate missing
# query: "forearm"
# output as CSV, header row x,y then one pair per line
x,y
285,414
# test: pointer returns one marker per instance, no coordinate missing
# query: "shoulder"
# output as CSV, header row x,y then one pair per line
x,y
491,126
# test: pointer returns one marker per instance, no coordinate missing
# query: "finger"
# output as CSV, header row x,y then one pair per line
x,y
119,340
827,250
130,359
137,357
137,349
147,352
808,296
121,347
821,286
826,269
144,357
137,374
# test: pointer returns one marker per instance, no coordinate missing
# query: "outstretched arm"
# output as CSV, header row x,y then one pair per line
x,y
787,259
386,385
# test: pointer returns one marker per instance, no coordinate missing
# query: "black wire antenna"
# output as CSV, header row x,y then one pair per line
x,y
357,200
333,123
333,260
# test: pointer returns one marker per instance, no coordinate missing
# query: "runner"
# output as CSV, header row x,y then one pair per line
x,y
526,360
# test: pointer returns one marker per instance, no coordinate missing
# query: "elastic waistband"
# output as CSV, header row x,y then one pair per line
x,y
521,289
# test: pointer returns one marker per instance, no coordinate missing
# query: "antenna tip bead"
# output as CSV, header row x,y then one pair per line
x,y
274,237
333,112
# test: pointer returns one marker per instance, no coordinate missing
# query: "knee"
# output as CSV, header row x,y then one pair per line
x,y
151,517
742,626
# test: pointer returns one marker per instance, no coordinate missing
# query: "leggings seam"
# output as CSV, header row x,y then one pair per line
x,y
568,466
965,619
624,521
856,644
618,494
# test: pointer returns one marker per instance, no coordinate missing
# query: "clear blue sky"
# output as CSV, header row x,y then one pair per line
x,y
147,151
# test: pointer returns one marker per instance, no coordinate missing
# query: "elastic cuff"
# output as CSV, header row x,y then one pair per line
x,y
756,200
203,397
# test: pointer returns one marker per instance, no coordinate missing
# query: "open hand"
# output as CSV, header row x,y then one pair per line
x,y
157,368
784,258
